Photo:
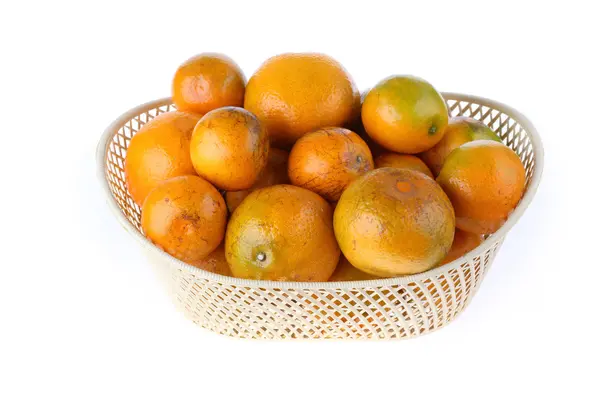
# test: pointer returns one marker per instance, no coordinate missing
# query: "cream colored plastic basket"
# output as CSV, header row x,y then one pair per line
x,y
391,308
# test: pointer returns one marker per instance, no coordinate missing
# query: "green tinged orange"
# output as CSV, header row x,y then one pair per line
x,y
405,114
484,180
460,130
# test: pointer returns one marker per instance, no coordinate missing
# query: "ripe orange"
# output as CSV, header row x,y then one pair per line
x,y
460,130
282,233
206,82
463,243
159,151
392,222
296,93
485,181
347,272
274,173
405,114
327,160
215,262
185,216
395,160
229,148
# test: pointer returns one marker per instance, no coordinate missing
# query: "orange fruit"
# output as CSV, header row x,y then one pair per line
x,y
274,173
282,233
229,148
296,93
460,130
185,216
327,160
395,160
208,81
485,181
405,114
160,150
463,243
392,222
215,262
347,272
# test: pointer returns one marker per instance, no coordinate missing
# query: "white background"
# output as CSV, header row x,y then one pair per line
x,y
81,314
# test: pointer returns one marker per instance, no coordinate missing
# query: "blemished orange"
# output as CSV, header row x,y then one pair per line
x,y
484,180
296,93
392,222
160,150
395,160
186,217
206,82
405,114
327,160
215,262
282,233
463,243
274,173
460,130
347,272
229,148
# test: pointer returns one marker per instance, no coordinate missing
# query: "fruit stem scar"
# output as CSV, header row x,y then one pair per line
x,y
359,159
261,256
402,186
432,129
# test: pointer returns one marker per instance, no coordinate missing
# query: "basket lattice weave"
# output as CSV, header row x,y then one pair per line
x,y
379,309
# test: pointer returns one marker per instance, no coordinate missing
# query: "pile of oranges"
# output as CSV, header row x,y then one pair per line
x,y
294,176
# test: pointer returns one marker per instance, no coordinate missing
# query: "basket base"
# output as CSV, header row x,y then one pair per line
x,y
395,312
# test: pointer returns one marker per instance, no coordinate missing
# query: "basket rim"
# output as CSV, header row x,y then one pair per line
x,y
172,262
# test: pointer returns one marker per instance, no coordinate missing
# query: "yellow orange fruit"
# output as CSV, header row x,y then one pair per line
x,y
215,262
484,180
206,82
274,173
296,93
391,222
185,216
327,160
460,130
229,148
395,160
160,150
405,114
282,233
463,243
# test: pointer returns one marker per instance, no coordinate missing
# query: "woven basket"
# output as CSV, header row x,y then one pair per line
x,y
390,308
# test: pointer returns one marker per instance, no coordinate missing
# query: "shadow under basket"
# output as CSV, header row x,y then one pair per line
x,y
392,308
